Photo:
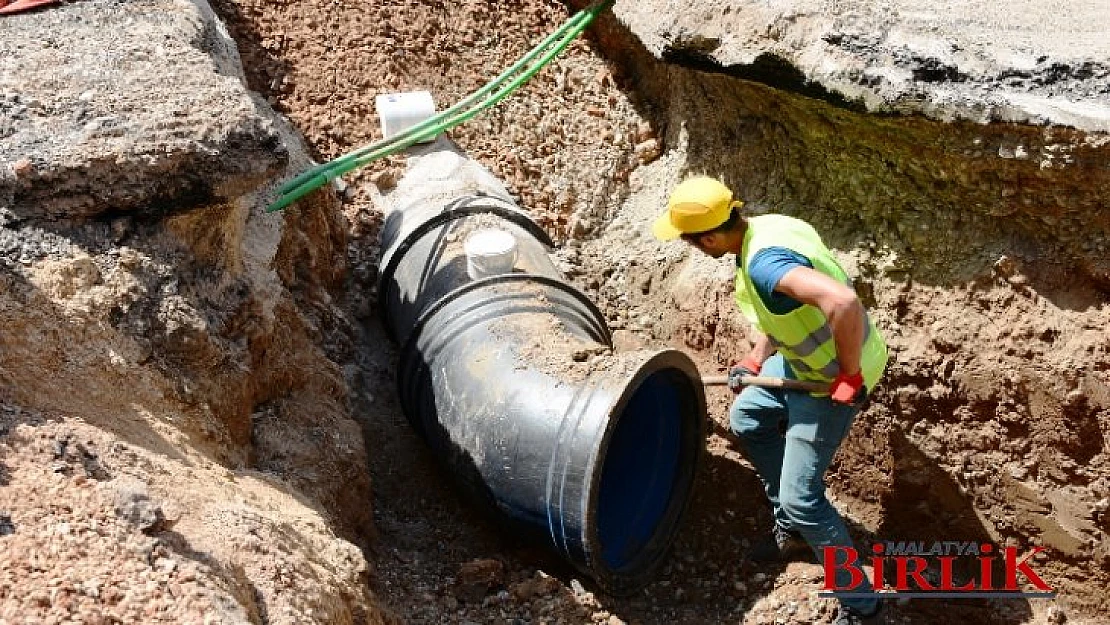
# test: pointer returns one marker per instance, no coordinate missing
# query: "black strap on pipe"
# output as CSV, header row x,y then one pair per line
x,y
410,351
457,209
606,337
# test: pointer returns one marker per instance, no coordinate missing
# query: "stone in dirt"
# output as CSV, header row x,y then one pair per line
x,y
477,578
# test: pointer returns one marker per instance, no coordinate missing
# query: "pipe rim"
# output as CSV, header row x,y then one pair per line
x,y
639,570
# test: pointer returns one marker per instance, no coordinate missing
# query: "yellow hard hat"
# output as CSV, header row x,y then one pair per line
x,y
696,205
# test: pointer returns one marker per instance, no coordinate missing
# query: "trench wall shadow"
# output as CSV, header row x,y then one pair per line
x,y
126,226
788,145
923,504
118,409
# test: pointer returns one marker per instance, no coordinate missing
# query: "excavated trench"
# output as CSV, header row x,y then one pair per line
x,y
980,247
989,272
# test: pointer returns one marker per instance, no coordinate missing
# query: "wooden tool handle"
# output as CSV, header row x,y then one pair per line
x,y
756,380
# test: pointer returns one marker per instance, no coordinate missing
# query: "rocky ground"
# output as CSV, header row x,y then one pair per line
x,y
959,432
162,361
572,145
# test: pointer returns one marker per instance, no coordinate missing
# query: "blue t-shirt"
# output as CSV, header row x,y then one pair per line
x,y
768,266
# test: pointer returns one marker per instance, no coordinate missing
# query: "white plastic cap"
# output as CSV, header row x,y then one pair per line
x,y
489,252
400,111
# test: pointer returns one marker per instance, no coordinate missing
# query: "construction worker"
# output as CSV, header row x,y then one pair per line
x,y
808,325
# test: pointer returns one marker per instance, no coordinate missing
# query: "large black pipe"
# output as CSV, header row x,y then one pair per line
x,y
512,380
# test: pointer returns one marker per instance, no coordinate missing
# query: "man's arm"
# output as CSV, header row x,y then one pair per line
x,y
762,349
839,304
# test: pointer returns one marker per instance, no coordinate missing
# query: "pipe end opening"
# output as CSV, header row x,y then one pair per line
x,y
647,474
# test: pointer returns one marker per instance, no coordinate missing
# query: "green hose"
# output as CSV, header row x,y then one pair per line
x,y
487,96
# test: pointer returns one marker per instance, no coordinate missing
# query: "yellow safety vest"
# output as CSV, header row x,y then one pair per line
x,y
803,335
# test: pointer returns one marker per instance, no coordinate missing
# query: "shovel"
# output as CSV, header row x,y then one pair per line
x,y
766,382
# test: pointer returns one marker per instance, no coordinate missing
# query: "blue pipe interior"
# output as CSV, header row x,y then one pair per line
x,y
640,469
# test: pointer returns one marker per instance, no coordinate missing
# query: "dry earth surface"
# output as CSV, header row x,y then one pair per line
x,y
573,145
960,433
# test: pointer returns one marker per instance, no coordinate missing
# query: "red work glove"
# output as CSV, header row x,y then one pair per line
x,y
746,367
848,389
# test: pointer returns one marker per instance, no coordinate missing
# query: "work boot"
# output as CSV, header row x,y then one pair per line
x,y
852,616
782,545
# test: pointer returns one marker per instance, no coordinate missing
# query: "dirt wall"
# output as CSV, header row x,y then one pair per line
x,y
176,443
981,263
178,369
948,230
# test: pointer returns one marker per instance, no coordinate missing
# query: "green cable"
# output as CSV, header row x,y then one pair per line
x,y
320,175
492,100
432,121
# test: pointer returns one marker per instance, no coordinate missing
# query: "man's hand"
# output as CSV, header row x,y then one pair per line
x,y
848,389
749,366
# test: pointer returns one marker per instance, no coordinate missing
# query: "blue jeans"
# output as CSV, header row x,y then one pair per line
x,y
792,468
